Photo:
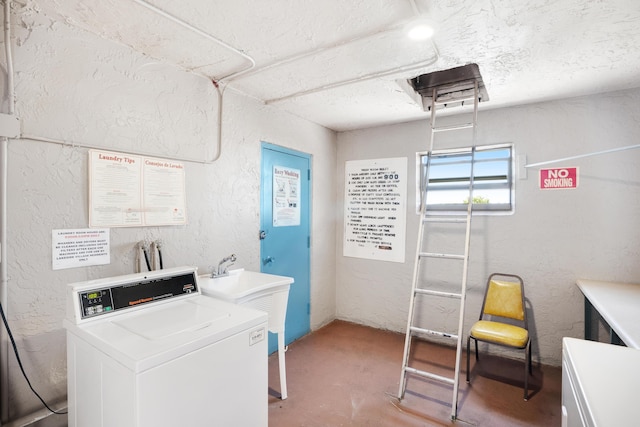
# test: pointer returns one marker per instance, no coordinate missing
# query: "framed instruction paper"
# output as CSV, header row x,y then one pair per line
x,y
163,192
132,191
286,196
375,209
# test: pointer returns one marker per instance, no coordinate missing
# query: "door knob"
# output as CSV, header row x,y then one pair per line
x,y
268,260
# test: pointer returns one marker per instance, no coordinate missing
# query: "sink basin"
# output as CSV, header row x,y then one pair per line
x,y
262,291
241,286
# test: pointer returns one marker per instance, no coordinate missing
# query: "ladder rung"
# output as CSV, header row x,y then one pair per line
x,y
453,127
432,332
429,375
437,255
438,293
451,219
449,99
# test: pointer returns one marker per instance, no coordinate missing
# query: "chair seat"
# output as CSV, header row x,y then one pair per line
x,y
500,333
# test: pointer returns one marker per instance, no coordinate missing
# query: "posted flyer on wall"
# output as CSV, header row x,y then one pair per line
x,y
286,196
375,209
79,248
129,191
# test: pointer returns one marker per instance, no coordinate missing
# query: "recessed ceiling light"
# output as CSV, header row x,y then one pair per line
x,y
419,29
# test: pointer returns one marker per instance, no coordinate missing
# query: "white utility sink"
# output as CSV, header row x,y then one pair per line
x,y
240,285
262,291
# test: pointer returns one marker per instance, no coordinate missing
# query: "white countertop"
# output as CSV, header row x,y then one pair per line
x,y
606,378
618,304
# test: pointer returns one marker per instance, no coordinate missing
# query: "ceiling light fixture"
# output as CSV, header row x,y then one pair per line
x,y
419,29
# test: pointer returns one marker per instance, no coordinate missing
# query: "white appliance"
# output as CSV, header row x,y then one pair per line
x,y
148,350
599,384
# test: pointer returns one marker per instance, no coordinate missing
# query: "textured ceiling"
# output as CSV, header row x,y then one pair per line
x,y
337,62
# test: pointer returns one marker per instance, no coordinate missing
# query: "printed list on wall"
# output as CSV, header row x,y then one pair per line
x,y
286,197
134,191
79,248
375,208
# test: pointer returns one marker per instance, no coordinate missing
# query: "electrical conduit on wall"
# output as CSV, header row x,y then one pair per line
x,y
4,347
4,142
224,81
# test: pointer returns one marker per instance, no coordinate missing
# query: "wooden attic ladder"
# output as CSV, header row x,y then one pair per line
x,y
422,290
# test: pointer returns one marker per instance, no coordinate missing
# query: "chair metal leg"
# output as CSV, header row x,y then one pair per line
x,y
476,343
527,370
468,355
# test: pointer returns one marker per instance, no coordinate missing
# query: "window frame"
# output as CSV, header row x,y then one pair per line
x,y
461,208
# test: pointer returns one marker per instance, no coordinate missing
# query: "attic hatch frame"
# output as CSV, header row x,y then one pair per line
x,y
453,87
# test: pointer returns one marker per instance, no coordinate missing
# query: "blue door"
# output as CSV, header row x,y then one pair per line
x,y
285,232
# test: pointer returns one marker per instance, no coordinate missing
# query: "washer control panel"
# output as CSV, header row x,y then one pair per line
x,y
96,302
103,300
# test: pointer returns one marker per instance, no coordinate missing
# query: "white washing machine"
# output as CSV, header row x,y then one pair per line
x,y
148,350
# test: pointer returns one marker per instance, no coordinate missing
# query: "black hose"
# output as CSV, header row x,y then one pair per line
x,y
24,374
146,258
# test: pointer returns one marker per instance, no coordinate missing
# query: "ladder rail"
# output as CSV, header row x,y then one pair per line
x,y
465,268
412,330
416,268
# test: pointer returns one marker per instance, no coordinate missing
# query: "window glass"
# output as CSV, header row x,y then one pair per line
x,y
449,175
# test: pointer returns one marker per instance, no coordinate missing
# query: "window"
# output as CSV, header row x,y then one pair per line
x,y
449,179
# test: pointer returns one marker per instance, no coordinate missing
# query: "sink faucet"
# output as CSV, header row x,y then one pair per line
x,y
223,271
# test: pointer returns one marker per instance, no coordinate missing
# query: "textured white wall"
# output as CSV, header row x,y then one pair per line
x,y
553,238
74,86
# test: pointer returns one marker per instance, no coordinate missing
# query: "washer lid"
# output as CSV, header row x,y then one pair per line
x,y
179,318
160,333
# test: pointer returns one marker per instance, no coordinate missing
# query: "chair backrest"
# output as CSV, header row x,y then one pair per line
x,y
504,298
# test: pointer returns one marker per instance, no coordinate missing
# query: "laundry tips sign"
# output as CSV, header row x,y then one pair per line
x,y
558,178
375,209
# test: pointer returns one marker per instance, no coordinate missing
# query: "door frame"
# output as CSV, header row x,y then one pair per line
x,y
263,203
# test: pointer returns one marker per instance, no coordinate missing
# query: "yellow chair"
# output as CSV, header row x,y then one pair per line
x,y
503,320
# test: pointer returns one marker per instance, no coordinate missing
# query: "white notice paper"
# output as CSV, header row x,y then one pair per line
x,y
131,191
375,209
286,196
115,189
79,248
164,201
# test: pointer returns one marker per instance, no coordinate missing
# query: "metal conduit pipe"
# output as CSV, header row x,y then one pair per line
x,y
317,51
390,72
203,34
4,350
73,144
411,67
4,345
8,55
4,275
225,80
322,49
